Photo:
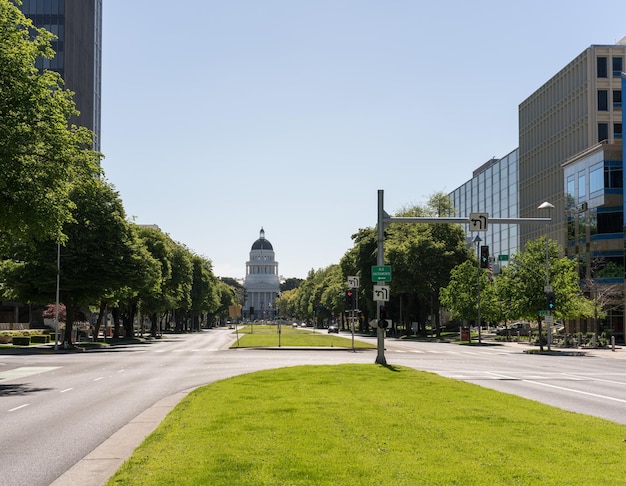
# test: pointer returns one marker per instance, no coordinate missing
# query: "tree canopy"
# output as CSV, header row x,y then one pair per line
x,y
41,153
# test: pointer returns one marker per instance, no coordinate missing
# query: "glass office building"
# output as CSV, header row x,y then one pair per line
x,y
493,189
77,24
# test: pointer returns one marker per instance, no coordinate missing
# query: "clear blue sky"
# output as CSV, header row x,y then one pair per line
x,y
222,117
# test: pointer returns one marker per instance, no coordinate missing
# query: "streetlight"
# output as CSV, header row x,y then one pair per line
x,y
547,288
477,240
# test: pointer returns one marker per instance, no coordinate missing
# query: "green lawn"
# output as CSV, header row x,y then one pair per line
x,y
371,425
267,336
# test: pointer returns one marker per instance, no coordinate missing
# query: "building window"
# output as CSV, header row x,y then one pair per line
x,y
617,98
571,191
613,177
603,100
596,179
602,71
603,131
617,67
610,223
617,130
582,186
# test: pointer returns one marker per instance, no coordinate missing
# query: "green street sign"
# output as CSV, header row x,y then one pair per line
x,y
503,258
381,273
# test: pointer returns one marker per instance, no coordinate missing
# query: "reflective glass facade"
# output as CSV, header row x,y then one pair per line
x,y
78,27
493,189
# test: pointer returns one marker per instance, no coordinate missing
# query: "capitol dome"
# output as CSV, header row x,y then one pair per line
x,y
262,243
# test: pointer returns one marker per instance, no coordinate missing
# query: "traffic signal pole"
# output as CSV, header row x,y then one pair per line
x,y
380,260
385,219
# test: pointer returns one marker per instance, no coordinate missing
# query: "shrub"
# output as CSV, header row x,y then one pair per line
x,y
21,340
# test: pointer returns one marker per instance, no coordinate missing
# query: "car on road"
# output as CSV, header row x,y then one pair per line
x,y
334,329
521,327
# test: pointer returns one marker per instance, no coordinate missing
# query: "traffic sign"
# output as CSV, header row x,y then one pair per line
x,y
503,258
354,282
478,221
381,293
381,273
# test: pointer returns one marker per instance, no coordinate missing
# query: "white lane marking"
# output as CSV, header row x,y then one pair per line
x,y
66,390
548,385
99,378
17,408
579,377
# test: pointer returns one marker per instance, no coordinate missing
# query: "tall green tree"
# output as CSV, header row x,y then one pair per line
x,y
524,281
41,153
101,255
422,256
205,290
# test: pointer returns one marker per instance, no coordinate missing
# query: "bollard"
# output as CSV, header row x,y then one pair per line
x,y
613,343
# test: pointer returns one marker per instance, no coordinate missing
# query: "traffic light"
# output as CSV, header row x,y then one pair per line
x,y
484,256
382,320
349,299
551,301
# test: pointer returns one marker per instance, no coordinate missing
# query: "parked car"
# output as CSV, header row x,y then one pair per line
x,y
334,329
521,327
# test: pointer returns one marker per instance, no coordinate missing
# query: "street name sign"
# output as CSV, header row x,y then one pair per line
x,y
381,273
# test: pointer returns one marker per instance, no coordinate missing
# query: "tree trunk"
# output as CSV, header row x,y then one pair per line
x,y
70,309
103,306
115,312
154,329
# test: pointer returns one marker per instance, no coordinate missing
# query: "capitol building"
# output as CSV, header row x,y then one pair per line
x,y
262,282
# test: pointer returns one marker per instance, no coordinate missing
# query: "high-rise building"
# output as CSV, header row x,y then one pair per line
x,y
571,155
577,108
77,24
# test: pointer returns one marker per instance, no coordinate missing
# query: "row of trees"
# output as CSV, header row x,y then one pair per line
x,y
422,257
435,269
54,199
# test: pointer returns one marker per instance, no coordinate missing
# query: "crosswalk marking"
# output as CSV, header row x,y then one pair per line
x,y
25,371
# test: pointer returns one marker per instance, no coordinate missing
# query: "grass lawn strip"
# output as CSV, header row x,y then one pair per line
x,y
370,424
267,336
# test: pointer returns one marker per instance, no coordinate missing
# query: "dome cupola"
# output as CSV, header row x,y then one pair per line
x,y
262,243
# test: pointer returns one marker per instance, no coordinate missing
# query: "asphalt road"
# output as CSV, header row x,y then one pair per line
x,y
56,408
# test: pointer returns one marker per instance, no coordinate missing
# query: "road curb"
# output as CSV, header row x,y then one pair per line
x,y
99,465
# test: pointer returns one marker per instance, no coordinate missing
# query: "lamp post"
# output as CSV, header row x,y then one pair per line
x,y
278,317
477,240
547,288
56,307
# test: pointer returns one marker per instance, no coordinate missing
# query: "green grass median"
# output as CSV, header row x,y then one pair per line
x,y
268,336
371,425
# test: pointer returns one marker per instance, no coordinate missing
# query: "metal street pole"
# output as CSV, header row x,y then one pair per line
x,y
547,289
56,312
477,240
380,261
